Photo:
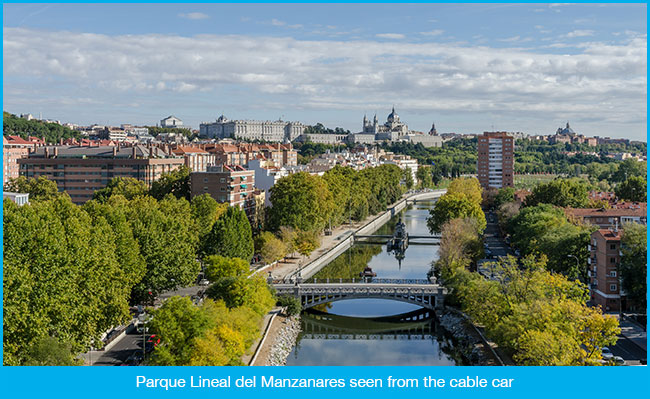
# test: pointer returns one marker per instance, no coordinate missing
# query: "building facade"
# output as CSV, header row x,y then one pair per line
x,y
196,158
80,170
173,122
611,218
274,131
603,262
13,149
233,185
495,166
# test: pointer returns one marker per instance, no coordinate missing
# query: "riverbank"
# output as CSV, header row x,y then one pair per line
x,y
280,338
471,341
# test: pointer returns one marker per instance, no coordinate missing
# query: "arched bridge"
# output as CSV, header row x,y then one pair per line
x,y
418,292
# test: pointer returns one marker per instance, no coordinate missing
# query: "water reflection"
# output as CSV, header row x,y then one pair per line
x,y
410,338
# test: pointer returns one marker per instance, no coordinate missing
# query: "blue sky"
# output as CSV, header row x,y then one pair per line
x,y
469,68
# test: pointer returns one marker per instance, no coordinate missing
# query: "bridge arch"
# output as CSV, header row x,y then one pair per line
x,y
430,296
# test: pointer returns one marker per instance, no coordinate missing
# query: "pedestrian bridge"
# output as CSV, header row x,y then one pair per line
x,y
417,292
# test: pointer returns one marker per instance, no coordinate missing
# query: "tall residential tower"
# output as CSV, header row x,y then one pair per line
x,y
496,160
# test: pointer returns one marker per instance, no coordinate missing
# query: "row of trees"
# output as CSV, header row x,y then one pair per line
x,y
538,317
542,227
310,203
220,330
71,272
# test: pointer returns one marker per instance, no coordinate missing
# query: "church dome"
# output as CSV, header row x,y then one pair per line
x,y
393,116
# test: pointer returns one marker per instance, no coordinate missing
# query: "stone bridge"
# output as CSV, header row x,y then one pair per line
x,y
418,292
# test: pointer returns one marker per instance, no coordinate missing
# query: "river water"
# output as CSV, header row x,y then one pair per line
x,y
377,332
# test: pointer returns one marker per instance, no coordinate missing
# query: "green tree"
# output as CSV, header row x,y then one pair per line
x,y
633,267
251,292
301,201
205,212
468,186
62,277
270,247
217,267
178,323
306,242
231,236
176,182
629,168
633,189
560,192
455,205
408,178
505,194
39,189
49,351
127,187
168,242
425,177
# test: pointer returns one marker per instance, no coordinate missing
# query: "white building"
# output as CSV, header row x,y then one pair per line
x,y
275,131
172,121
393,130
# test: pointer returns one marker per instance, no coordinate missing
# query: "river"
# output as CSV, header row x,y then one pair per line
x,y
377,332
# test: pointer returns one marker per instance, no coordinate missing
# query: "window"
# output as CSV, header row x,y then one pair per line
x,y
612,273
205,180
612,246
612,287
612,260
222,180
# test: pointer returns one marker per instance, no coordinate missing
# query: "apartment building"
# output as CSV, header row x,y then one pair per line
x,y
196,158
609,218
496,161
81,170
603,262
13,149
232,184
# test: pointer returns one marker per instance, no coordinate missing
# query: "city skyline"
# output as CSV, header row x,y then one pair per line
x,y
468,68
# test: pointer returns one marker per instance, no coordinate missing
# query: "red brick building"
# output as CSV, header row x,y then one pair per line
x,y
13,149
604,259
234,185
80,170
496,162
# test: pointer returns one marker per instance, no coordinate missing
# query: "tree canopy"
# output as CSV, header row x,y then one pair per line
x,y
231,236
39,189
633,267
560,192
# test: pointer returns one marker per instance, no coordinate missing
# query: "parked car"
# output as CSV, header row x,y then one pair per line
x,y
204,282
607,354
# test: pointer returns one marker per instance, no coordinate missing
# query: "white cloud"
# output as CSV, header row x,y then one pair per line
x,y
580,33
435,32
390,36
510,39
276,22
194,15
604,81
295,26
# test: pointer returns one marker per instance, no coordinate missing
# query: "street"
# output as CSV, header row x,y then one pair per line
x,y
119,353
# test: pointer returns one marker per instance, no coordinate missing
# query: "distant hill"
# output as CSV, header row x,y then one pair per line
x,y
13,125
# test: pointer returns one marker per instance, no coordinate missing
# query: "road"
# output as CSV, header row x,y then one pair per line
x,y
493,239
121,351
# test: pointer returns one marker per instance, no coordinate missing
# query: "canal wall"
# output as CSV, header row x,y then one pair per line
x,y
316,265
